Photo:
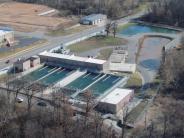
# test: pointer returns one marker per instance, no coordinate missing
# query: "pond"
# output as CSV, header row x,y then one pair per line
x,y
131,29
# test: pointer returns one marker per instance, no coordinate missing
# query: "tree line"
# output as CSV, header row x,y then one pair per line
x,y
172,70
168,12
57,120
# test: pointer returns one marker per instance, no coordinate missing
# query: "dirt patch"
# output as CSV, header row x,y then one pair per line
x,y
24,16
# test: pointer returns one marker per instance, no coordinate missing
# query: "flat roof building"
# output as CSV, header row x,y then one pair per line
x,y
94,19
73,61
115,100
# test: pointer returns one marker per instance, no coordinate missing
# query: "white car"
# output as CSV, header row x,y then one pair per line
x,y
19,100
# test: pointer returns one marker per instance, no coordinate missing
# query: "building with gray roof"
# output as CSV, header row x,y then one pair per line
x,y
93,19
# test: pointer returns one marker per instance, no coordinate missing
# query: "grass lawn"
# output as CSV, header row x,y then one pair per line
x,y
96,42
105,53
62,32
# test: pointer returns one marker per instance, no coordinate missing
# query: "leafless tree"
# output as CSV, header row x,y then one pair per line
x,y
108,28
166,11
114,28
124,123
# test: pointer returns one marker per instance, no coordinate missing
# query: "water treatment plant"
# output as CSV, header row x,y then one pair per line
x,y
91,68
74,76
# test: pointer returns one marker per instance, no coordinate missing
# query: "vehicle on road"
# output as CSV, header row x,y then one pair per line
x,y
41,104
19,100
7,61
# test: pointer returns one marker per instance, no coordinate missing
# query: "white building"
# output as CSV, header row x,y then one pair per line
x,y
122,67
94,19
115,100
6,37
73,62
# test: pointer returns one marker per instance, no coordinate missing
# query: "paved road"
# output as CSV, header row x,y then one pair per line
x,y
52,42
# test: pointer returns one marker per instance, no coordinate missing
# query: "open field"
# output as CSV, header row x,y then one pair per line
x,y
96,42
62,32
27,16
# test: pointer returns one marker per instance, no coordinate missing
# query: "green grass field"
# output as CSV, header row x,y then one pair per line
x,y
96,42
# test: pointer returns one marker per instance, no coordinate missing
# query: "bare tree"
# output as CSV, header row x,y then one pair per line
x,y
125,117
151,130
108,28
114,28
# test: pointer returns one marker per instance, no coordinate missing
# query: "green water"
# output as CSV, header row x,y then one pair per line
x,y
37,74
83,81
56,76
104,84
131,29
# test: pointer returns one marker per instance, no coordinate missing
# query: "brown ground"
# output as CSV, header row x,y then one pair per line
x,y
25,16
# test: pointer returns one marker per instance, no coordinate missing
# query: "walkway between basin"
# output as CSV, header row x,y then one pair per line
x,y
70,78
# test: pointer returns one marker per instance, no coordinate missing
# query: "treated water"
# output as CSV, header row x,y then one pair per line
x,y
84,81
56,76
104,84
37,74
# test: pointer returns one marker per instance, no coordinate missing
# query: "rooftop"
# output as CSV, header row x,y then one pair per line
x,y
93,17
116,96
73,57
34,57
20,61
